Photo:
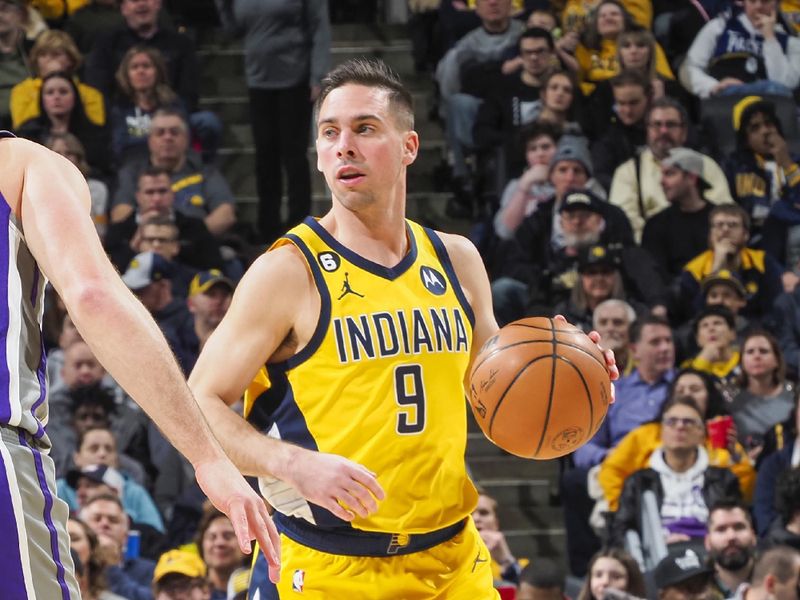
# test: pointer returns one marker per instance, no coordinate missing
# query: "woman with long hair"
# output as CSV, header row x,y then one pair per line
x,y
557,100
83,541
612,568
218,548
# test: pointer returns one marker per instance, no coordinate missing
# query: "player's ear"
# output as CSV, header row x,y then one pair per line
x,y
410,147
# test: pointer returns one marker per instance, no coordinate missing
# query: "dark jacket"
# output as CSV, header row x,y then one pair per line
x,y
764,511
786,326
717,483
618,144
502,112
778,535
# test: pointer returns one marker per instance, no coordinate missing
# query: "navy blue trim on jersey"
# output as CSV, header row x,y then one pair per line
x,y
354,542
444,258
390,273
259,580
324,309
6,134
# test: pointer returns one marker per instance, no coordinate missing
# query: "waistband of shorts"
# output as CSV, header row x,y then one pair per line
x,y
354,542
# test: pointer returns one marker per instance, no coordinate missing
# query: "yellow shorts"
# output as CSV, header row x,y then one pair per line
x,y
457,569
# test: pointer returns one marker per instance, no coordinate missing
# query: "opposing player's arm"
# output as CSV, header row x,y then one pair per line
x,y
263,312
474,281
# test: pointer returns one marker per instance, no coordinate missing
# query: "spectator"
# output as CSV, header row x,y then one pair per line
x,y
682,576
715,334
723,289
765,178
180,575
636,186
683,183
522,195
731,544
67,335
766,397
599,279
13,53
627,132
286,54
759,272
54,52
505,568
612,320
597,56
639,399
70,146
677,470
142,88
786,313
542,580
577,13
512,103
92,19
785,531
141,27
747,52
148,276
210,294
62,112
196,246
558,99
200,190
128,577
612,569
219,550
485,44
83,541
162,236
633,452
775,575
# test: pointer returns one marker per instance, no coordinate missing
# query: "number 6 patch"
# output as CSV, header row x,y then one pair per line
x,y
329,261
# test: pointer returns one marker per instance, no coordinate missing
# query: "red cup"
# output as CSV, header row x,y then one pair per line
x,y
718,429
507,592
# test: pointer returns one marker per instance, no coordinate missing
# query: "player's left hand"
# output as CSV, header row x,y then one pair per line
x,y
611,362
228,491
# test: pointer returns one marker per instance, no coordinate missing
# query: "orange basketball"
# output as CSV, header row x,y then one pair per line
x,y
539,388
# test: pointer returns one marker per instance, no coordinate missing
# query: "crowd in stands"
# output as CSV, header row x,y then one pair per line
x,y
631,164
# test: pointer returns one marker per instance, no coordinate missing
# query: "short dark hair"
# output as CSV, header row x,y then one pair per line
x,y
82,435
680,401
780,561
152,171
543,573
537,33
168,111
716,405
534,129
730,503
371,73
94,394
733,210
107,497
161,221
787,494
715,310
669,102
631,77
636,328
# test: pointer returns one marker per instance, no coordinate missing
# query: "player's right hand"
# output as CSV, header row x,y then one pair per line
x,y
345,488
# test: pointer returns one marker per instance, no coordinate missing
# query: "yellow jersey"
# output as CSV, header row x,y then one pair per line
x,y
380,382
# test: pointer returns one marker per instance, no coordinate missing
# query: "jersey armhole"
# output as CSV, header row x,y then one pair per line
x,y
444,258
324,309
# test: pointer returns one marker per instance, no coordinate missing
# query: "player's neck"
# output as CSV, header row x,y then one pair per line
x,y
376,233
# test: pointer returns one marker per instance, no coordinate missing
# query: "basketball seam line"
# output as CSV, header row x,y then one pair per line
x,y
554,357
522,342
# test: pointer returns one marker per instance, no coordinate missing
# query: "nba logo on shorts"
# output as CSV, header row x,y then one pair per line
x,y
298,579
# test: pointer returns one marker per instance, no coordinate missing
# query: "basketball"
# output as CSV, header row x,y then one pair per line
x,y
539,388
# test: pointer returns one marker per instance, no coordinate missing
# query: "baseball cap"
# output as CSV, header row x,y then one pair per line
x,y
179,562
99,474
146,268
675,569
205,280
597,256
687,160
583,198
723,276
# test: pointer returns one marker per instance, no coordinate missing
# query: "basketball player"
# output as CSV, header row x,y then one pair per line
x,y
367,323
47,234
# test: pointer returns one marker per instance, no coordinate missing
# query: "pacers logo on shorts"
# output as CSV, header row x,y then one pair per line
x,y
298,580
433,281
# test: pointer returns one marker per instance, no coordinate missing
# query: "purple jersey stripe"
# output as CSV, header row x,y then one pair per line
x,y
11,572
48,516
5,400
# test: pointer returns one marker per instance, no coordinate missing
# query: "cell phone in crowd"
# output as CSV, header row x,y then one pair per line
x,y
133,547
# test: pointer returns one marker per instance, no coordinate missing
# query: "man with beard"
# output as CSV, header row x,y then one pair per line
x,y
636,186
731,544
612,320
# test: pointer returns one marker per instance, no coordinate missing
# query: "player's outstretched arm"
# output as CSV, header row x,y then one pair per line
x,y
274,292
52,200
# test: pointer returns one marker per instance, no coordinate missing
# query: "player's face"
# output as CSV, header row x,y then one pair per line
x,y
80,366
484,515
681,428
568,174
141,72
731,540
220,548
631,103
536,55
362,148
758,357
540,150
78,540
655,351
665,131
106,518
692,385
611,322
98,448
58,99
607,573
210,306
